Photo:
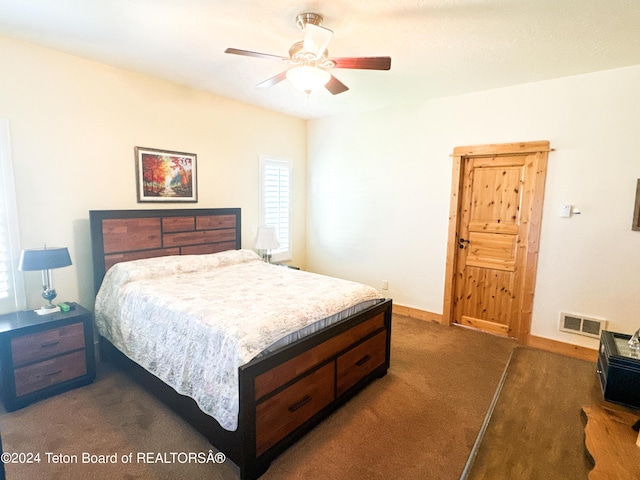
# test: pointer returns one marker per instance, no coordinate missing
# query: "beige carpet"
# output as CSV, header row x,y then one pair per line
x,y
418,422
536,430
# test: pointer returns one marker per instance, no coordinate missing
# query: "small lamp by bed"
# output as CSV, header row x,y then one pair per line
x,y
267,240
45,259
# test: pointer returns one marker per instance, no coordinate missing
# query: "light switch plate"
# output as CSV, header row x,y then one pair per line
x,y
565,211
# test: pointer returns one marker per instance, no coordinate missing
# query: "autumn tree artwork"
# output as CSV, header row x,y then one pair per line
x,y
165,176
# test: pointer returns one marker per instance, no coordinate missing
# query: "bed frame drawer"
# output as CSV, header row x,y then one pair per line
x,y
49,372
31,348
358,362
284,412
287,371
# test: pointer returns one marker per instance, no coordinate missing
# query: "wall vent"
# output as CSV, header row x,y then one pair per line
x,y
591,327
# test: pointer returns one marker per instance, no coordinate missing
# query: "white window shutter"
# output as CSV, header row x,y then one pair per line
x,y
11,286
275,202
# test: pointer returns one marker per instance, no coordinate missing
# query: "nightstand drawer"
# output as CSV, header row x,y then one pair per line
x,y
43,355
55,341
50,372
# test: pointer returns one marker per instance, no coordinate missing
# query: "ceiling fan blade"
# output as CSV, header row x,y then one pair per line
x,y
248,53
335,86
363,63
316,39
273,80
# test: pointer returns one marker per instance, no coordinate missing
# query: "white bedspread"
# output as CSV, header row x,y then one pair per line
x,y
193,320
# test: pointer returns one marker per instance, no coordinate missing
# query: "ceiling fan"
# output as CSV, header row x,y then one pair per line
x,y
310,59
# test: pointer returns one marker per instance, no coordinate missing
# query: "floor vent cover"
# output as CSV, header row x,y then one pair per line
x,y
591,327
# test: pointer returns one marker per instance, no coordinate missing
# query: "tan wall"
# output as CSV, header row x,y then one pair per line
x,y
74,125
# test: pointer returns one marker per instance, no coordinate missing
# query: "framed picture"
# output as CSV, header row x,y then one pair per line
x,y
165,176
636,211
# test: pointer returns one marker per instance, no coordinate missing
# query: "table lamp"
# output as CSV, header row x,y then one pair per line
x,y
45,259
267,240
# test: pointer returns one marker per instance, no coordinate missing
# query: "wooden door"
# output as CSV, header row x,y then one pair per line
x,y
493,236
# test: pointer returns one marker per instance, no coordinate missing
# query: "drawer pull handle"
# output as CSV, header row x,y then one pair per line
x,y
306,399
50,343
363,360
51,374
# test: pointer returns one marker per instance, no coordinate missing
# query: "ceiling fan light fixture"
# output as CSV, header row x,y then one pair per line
x,y
310,62
308,79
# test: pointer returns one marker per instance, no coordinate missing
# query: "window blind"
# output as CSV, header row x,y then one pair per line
x,y
275,208
11,289
5,286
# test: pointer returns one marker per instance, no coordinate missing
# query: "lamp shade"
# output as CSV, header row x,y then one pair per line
x,y
44,258
267,239
308,79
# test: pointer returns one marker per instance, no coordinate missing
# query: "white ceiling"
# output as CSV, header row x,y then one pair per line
x,y
438,47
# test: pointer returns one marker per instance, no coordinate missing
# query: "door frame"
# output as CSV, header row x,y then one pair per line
x,y
461,155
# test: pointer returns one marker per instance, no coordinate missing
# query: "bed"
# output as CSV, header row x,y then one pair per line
x,y
278,392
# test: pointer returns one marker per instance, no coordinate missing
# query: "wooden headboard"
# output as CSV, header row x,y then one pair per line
x,y
123,235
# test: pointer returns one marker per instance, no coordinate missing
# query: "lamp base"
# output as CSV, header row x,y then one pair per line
x,y
45,310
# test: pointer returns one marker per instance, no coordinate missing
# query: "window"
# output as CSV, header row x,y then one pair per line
x,y
11,289
275,202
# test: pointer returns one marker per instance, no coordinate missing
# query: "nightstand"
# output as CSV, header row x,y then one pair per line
x,y
43,355
619,370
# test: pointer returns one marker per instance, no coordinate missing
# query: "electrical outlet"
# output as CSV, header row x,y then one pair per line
x,y
385,285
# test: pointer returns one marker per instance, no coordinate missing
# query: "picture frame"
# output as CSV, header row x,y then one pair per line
x,y
165,176
636,211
